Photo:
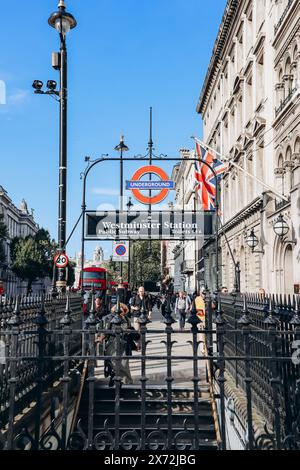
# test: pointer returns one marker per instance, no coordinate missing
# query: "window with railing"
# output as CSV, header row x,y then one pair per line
x,y
285,101
285,12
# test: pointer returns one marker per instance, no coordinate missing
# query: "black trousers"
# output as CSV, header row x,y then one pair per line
x,y
182,316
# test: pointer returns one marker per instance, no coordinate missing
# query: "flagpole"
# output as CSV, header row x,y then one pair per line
x,y
223,157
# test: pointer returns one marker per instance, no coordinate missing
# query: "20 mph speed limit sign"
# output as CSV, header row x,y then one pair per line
x,y
61,260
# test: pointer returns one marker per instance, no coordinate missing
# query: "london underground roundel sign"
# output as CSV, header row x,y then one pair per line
x,y
163,185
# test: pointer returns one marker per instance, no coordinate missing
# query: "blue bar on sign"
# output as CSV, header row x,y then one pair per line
x,y
150,185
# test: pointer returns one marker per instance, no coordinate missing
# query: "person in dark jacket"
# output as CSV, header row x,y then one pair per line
x,y
141,300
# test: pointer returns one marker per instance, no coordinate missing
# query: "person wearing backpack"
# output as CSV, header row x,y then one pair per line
x,y
182,306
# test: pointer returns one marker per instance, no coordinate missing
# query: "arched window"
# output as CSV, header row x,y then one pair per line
x,y
288,167
279,174
297,145
288,270
287,68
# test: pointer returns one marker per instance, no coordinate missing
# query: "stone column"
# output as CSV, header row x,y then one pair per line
x,y
296,161
294,69
286,80
279,88
288,175
279,177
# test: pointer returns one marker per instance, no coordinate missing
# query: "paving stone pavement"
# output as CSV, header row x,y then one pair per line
x,y
156,370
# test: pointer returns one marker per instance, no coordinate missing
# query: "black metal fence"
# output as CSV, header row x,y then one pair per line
x,y
254,340
263,332
30,332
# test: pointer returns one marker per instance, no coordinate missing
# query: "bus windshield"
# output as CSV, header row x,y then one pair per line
x,y
97,276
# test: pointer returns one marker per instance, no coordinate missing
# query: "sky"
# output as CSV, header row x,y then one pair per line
x,y
123,57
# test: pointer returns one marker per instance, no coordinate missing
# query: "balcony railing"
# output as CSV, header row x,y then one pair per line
x,y
187,266
279,204
285,101
277,26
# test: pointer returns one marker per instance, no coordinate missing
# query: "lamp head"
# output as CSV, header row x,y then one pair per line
x,y
61,20
281,227
252,240
122,147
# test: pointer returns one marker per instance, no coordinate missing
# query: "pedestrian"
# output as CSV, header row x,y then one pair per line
x,y
140,301
262,293
200,306
86,299
121,291
109,341
224,290
99,305
182,306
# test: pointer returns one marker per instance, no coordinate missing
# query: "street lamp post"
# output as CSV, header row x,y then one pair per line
x,y
129,207
121,147
63,22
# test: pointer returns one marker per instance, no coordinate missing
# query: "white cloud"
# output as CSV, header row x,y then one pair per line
x,y
18,97
106,191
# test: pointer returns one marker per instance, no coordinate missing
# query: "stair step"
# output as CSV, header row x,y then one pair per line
x,y
207,429
135,418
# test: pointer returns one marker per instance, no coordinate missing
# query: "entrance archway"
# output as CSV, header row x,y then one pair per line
x,y
288,270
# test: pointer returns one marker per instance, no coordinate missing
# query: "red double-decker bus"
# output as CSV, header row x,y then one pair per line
x,y
94,277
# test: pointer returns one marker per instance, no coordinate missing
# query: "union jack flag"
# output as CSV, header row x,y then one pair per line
x,y
205,178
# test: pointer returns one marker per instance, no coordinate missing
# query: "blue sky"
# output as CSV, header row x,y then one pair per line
x,y
124,56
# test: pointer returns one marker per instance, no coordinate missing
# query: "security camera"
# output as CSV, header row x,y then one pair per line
x,y
51,85
37,85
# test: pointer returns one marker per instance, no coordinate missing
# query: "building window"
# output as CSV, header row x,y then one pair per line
x,y
249,98
260,89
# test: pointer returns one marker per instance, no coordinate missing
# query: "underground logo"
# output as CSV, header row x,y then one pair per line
x,y
163,185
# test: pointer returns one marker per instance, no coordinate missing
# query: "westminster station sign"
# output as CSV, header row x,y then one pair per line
x,y
155,225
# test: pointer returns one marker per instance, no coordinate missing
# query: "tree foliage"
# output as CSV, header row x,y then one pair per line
x,y
146,262
3,237
71,274
32,257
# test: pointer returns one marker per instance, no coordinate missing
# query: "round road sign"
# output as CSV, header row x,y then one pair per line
x,y
61,260
121,250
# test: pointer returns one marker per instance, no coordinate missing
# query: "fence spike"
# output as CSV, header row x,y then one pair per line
x,y
295,321
245,320
15,320
67,319
270,320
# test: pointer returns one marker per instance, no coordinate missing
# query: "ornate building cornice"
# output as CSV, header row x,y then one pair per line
x,y
224,31
246,212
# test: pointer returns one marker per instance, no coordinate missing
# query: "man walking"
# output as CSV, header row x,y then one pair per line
x,y
182,305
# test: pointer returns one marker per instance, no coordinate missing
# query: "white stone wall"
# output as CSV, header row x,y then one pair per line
x,y
251,113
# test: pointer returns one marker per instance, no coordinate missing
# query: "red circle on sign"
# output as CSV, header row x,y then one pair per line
x,y
156,171
121,250
63,263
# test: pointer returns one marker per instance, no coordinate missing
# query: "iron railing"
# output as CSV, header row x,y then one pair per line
x,y
271,333
285,101
285,12
250,338
25,324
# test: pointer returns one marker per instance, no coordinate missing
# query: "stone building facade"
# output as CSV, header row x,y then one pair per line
x,y
20,223
250,105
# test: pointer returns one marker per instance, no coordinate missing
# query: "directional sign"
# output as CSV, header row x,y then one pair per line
x,y
155,225
120,251
61,260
